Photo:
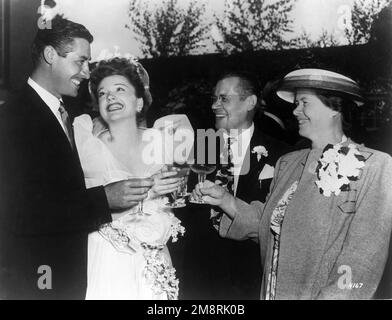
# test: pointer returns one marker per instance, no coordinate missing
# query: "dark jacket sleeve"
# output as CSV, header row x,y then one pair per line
x,y
36,198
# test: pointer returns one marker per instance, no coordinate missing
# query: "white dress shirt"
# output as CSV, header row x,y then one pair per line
x,y
239,147
50,100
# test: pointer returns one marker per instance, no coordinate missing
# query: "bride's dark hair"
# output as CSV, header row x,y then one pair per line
x,y
128,69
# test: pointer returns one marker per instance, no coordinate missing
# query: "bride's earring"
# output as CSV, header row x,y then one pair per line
x,y
139,106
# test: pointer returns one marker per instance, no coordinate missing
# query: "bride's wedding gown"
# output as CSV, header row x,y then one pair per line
x,y
128,258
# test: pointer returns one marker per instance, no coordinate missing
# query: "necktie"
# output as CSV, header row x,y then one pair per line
x,y
230,166
67,124
225,174
224,177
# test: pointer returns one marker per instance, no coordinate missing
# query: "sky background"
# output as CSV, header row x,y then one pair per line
x,y
107,19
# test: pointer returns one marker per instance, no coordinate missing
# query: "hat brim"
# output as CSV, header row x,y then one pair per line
x,y
288,88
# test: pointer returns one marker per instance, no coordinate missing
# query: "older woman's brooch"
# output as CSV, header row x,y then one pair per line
x,y
337,167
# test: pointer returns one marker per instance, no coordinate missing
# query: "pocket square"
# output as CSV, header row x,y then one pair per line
x,y
267,172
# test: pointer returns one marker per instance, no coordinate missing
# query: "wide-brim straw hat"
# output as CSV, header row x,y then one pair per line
x,y
319,79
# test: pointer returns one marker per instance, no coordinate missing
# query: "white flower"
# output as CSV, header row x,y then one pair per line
x,y
148,229
260,151
338,166
176,228
160,274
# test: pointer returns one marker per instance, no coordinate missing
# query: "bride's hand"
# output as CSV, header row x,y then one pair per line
x,y
164,183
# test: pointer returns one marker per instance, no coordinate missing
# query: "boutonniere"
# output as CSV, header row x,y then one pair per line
x,y
337,167
261,151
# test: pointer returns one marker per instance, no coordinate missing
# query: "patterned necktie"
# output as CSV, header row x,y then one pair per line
x,y
225,178
226,172
67,124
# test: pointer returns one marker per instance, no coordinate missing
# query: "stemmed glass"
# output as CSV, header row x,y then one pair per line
x,y
181,192
140,211
202,171
118,175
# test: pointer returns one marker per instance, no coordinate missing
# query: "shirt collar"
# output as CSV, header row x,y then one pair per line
x,y
50,100
244,134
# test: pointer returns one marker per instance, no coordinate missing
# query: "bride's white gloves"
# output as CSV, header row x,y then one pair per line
x,y
216,195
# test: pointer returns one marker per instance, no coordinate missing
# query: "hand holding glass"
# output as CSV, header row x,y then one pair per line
x,y
181,192
202,171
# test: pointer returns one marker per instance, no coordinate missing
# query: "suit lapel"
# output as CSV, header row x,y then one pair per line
x,y
250,167
44,125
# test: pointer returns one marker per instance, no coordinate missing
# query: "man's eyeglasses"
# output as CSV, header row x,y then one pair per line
x,y
225,98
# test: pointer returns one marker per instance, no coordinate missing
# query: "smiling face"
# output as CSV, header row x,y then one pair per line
x,y
117,99
69,71
314,117
231,106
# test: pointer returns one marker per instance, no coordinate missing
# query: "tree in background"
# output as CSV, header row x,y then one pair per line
x,y
251,25
381,31
363,14
324,40
168,30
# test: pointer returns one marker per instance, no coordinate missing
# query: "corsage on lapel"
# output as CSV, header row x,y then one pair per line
x,y
338,166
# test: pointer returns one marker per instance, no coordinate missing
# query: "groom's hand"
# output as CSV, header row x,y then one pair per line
x,y
127,193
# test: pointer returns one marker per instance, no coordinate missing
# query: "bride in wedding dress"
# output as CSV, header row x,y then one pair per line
x,y
128,258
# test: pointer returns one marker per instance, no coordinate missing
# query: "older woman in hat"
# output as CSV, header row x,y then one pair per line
x,y
324,230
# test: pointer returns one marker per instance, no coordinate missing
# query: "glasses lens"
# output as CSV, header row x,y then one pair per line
x,y
214,99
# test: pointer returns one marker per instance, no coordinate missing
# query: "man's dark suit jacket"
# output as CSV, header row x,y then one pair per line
x,y
244,262
210,267
46,211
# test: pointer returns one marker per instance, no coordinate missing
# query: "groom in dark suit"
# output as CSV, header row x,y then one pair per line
x,y
46,211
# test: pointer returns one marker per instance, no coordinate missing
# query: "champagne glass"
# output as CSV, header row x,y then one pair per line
x,y
140,211
118,175
181,192
202,171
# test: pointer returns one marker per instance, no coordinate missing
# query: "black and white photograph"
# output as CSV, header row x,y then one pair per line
x,y
196,150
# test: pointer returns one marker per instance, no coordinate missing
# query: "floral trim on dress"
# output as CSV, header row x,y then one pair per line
x,y
117,237
337,167
157,271
276,226
176,228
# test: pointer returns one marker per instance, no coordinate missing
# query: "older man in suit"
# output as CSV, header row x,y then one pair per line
x,y
252,156
46,211
213,267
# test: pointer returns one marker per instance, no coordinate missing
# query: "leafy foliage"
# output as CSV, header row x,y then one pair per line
x,y
191,97
250,25
363,14
167,30
324,40
382,27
